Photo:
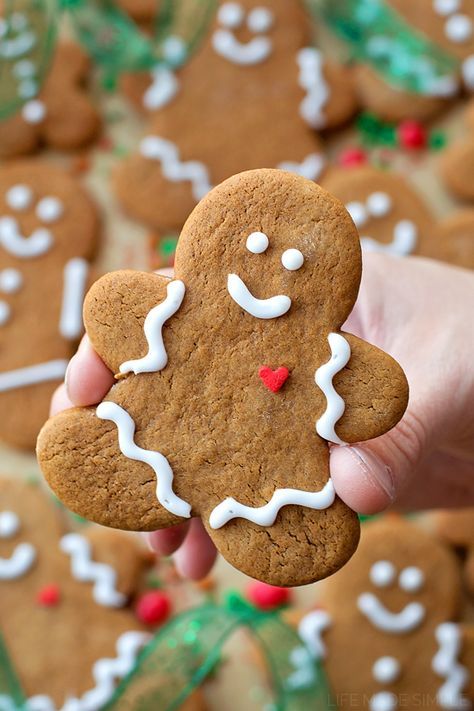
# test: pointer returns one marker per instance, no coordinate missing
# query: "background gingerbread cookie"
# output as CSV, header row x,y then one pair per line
x,y
387,631
267,270
62,116
48,234
457,529
456,162
252,96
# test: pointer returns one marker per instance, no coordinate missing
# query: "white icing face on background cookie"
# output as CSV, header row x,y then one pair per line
x,y
23,555
457,19
232,18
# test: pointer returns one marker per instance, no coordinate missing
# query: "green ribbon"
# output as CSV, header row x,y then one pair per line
x,y
12,697
380,37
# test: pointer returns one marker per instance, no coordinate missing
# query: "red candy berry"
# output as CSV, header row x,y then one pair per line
x,y
48,596
411,134
153,608
352,157
267,597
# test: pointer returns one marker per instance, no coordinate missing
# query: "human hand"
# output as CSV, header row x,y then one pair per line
x,y
418,311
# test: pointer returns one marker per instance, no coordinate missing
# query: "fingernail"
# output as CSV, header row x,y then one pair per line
x,y
66,374
376,471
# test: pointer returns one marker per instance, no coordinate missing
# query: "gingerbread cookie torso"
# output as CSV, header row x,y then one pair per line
x,y
252,96
387,632
232,380
48,234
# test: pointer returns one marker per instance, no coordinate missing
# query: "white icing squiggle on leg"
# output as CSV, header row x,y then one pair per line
x,y
158,462
19,563
311,628
445,664
157,358
266,515
86,570
340,355
75,279
32,374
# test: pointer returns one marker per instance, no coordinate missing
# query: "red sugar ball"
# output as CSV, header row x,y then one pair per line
x,y
267,597
153,607
352,157
412,134
48,596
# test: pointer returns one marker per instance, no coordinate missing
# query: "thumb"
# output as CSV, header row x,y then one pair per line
x,y
369,476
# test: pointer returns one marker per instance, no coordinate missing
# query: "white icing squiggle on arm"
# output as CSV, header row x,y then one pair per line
x,y
158,462
273,307
86,570
266,515
311,167
335,405
75,279
445,663
19,563
157,358
406,620
311,628
312,80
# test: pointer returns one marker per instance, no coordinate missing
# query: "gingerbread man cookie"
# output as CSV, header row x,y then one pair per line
x,y
447,23
457,529
387,631
62,116
252,96
392,217
48,234
456,162
232,379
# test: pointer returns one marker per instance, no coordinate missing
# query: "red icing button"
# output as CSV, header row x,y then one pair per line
x,y
351,157
153,608
267,597
273,379
412,134
48,596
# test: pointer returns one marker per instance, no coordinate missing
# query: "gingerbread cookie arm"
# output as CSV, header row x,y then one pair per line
x,y
369,393
17,137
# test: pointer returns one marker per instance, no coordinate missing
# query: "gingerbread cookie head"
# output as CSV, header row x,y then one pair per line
x,y
456,528
48,233
252,96
453,240
388,213
397,611
62,116
232,379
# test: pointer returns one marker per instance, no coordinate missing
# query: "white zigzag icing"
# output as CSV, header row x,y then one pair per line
x,y
335,405
445,664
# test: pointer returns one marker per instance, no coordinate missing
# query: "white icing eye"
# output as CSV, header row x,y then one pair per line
x,y
49,209
386,670
231,15
4,313
9,524
358,213
260,19
257,242
33,111
446,7
458,28
19,197
292,259
379,204
382,573
10,280
411,579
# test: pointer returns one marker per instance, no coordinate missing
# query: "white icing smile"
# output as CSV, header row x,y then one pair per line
x,y
378,205
231,16
375,611
21,246
19,563
272,307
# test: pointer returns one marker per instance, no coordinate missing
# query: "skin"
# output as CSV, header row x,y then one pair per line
x,y
427,460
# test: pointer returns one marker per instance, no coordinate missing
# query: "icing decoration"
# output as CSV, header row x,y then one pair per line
x,y
266,515
22,247
382,573
273,379
10,280
75,281
33,111
273,307
312,81
405,236
395,623
164,474
311,167
49,209
162,90
32,374
468,72
49,596
378,204
311,629
231,15
24,68
19,197
260,19
84,569
335,405
386,670
383,701
257,242
292,259
173,168
19,563
225,43
157,358
4,313
153,607
358,212
9,524
15,47
446,7
445,664
458,28
411,579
